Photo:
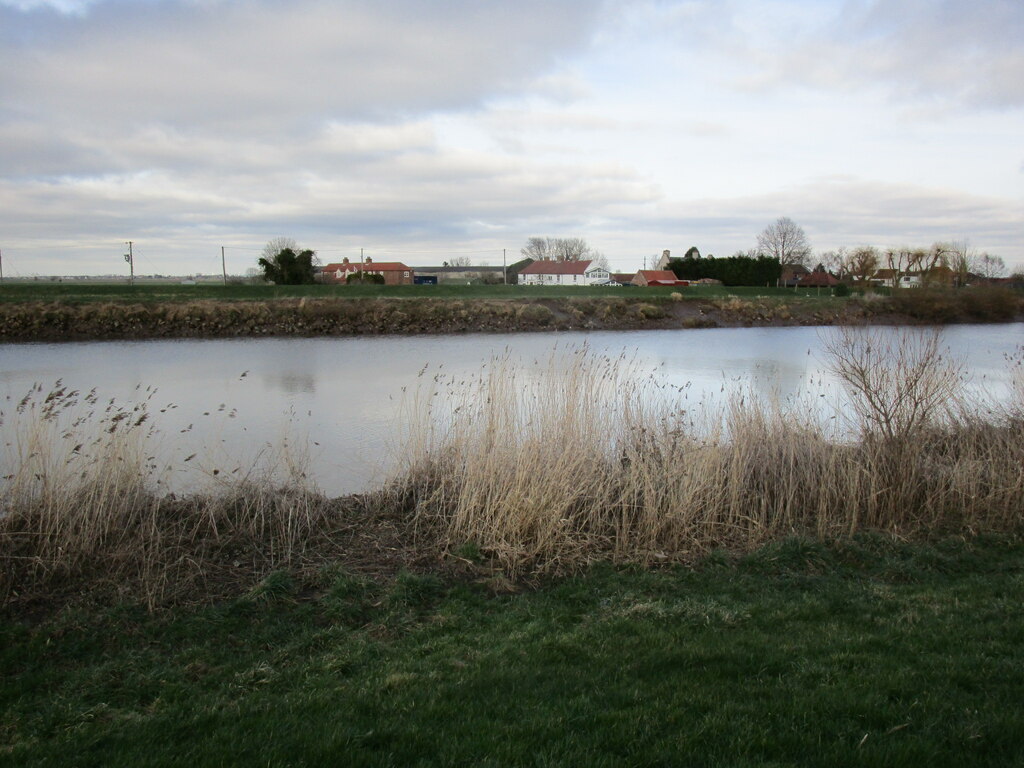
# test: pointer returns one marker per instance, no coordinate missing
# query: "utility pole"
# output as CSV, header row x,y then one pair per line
x,y
223,266
129,257
504,267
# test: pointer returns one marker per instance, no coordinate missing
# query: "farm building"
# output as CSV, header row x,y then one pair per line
x,y
564,273
393,272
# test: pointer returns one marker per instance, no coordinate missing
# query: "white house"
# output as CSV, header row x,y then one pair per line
x,y
564,273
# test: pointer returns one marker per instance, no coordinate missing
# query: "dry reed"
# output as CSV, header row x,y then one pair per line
x,y
547,469
541,468
81,508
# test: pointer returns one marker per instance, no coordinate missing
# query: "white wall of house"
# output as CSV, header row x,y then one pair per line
x,y
593,276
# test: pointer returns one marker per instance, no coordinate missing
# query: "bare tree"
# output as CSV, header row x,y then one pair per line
x,y
900,262
990,267
571,249
834,261
932,263
537,248
458,261
861,263
599,260
278,244
556,249
786,241
899,382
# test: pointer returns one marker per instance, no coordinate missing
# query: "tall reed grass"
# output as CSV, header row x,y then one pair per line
x,y
542,468
84,505
546,469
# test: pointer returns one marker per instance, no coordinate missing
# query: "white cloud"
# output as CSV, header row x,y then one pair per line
x,y
260,66
955,53
187,124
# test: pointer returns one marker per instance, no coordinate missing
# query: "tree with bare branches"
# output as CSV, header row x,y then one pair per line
x,y
861,263
899,382
990,267
785,240
556,249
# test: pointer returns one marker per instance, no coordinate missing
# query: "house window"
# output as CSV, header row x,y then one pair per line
x,y
406,274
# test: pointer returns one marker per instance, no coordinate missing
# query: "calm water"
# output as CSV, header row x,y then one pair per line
x,y
228,401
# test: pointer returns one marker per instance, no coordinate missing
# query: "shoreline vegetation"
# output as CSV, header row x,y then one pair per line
x,y
73,313
566,568
523,473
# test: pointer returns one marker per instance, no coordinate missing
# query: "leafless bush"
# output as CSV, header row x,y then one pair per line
x,y
547,468
899,381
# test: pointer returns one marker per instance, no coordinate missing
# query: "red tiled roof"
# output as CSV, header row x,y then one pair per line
x,y
818,279
370,266
556,268
658,275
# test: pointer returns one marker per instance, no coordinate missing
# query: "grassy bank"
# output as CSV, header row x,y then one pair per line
x,y
329,311
570,568
869,652
142,293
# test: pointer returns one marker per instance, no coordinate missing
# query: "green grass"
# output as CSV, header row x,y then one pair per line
x,y
866,653
170,292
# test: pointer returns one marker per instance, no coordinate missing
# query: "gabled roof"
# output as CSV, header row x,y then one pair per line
x,y
557,268
818,279
658,275
370,266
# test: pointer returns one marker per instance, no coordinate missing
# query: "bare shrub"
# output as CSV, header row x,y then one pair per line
x,y
899,381
546,468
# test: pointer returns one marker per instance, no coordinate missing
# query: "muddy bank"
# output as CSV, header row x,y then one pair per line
x,y
39,321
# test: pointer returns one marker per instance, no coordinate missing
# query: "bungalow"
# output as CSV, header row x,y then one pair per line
x,y
892,278
393,272
545,272
792,274
819,278
657,277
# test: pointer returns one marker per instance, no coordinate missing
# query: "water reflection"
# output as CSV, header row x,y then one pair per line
x,y
231,401
291,382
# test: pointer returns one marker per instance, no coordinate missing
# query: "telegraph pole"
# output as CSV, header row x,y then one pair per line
x,y
131,263
223,265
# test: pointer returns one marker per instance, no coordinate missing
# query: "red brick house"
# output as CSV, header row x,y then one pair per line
x,y
657,277
393,272
818,279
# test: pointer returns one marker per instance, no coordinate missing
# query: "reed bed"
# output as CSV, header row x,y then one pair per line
x,y
539,468
545,468
84,508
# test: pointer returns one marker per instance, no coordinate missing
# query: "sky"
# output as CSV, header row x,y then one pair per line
x,y
418,130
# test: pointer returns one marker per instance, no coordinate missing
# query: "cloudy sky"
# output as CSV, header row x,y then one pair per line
x,y
418,130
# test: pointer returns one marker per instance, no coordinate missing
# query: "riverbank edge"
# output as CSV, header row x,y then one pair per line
x,y
55,321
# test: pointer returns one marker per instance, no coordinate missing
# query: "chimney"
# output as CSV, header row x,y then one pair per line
x,y
369,260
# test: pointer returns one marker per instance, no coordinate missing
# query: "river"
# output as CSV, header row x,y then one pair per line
x,y
231,401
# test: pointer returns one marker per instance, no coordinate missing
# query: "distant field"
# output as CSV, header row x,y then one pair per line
x,y
166,292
